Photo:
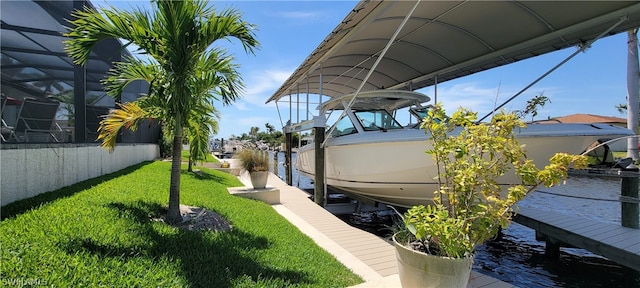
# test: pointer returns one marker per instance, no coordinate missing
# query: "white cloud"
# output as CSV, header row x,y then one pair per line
x,y
240,105
483,98
469,95
261,86
249,122
299,14
239,123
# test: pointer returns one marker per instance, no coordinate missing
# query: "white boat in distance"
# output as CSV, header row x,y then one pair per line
x,y
373,156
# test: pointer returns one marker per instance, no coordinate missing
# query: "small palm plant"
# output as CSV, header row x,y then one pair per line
x,y
256,162
471,207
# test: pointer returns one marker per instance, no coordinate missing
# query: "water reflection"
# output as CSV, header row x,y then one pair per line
x,y
299,181
589,197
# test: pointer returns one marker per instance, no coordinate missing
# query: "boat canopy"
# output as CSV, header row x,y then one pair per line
x,y
436,41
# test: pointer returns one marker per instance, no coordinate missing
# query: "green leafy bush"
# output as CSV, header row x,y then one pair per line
x,y
471,207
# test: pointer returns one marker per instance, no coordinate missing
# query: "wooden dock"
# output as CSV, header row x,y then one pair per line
x,y
368,255
613,241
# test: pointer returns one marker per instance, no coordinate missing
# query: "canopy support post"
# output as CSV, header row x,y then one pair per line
x,y
632,92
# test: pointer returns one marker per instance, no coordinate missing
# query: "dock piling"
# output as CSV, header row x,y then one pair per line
x,y
629,200
319,189
275,162
287,157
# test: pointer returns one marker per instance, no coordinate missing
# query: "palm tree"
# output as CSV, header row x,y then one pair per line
x,y
270,128
182,69
254,132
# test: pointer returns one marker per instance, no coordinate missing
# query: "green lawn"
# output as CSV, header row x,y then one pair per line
x,y
620,155
99,233
184,155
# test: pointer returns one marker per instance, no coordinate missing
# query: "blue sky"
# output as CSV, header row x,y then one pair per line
x,y
593,82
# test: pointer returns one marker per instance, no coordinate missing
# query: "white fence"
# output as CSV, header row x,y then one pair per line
x,y
30,169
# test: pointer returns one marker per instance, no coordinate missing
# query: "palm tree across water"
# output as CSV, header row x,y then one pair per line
x,y
185,70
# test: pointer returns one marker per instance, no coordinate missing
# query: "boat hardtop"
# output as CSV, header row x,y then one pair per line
x,y
389,100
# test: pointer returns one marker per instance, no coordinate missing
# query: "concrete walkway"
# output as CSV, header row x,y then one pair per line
x,y
366,254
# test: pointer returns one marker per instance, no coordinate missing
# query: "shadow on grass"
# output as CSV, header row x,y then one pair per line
x,y
200,174
207,259
203,175
16,208
212,175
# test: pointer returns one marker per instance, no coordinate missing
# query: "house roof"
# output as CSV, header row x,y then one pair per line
x,y
444,40
584,118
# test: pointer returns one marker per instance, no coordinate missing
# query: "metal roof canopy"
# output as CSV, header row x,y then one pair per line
x,y
33,56
444,40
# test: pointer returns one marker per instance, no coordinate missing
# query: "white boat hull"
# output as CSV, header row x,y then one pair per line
x,y
392,167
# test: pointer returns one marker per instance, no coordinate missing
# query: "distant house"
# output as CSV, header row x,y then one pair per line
x,y
590,119
586,118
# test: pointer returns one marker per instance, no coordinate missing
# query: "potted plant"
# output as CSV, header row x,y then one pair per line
x,y
470,207
256,162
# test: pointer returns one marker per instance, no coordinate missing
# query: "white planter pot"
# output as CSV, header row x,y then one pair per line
x,y
259,179
417,269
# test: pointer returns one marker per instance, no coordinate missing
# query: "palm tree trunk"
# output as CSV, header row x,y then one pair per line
x,y
173,215
190,164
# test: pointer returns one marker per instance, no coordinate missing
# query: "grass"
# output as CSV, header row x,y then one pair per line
x,y
99,233
619,154
184,155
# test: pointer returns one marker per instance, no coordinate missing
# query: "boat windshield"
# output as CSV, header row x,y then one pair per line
x,y
343,127
420,112
372,120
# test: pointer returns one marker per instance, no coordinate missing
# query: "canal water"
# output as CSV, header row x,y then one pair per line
x,y
517,257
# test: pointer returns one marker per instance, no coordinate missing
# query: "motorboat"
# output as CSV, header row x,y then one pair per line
x,y
369,154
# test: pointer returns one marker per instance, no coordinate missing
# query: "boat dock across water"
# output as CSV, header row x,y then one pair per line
x,y
620,242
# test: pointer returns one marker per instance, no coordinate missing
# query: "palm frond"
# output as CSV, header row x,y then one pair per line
x,y
198,135
219,77
229,24
130,70
202,122
128,116
91,27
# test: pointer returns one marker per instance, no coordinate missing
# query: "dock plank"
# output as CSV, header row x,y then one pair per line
x,y
479,280
373,254
604,232
356,247
633,248
591,226
573,225
622,238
